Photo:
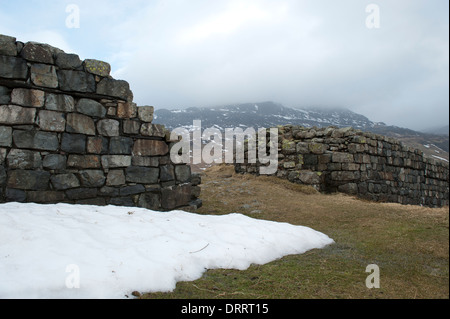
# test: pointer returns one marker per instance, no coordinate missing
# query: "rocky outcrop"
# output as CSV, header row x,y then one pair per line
x,y
71,133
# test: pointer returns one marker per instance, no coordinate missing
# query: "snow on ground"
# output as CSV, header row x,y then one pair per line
x,y
72,251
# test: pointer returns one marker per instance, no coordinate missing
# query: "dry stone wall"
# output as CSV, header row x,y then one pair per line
x,y
71,133
368,165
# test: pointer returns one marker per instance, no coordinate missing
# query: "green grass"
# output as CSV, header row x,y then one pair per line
x,y
410,245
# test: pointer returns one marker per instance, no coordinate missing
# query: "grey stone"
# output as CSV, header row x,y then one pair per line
x,y
309,178
81,193
115,161
97,67
37,140
91,108
55,161
15,195
155,130
122,201
2,176
3,152
350,188
145,161
5,136
166,173
342,157
92,178
73,143
64,181
45,197
28,180
5,97
13,114
108,127
13,68
150,201
97,145
59,102
78,123
68,61
83,161
150,148
142,175
8,45
26,97
115,88
76,81
109,191
196,179
183,173
120,145
131,127
24,159
115,178
51,121
44,75
132,190
92,202
175,196
37,52
145,113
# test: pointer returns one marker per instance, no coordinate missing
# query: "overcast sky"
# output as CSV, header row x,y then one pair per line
x,y
182,53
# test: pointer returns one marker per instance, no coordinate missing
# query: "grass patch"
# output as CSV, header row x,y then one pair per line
x,y
410,244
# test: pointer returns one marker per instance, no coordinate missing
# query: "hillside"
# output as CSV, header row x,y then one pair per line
x,y
270,114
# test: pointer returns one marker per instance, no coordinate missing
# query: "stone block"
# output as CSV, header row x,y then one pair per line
x,y
38,140
131,190
64,181
183,173
44,75
55,162
126,110
345,175
14,115
91,108
8,45
131,127
26,97
166,173
3,152
115,178
317,148
24,159
338,157
15,195
83,161
309,178
145,161
73,143
97,67
92,178
108,127
78,123
76,81
97,145
68,61
122,201
350,188
115,88
2,176
81,193
5,95
145,113
51,121
115,161
120,145
154,130
150,148
37,52
45,197
109,191
5,136
28,179
13,68
150,201
142,175
59,102
175,196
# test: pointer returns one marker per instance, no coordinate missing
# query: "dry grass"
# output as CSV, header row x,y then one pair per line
x,y
410,244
